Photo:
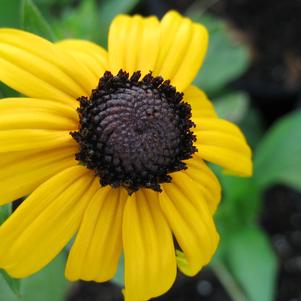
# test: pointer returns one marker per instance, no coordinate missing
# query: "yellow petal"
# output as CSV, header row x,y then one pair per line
x,y
97,248
183,45
41,226
150,264
22,172
37,77
190,220
205,180
31,85
221,142
33,139
20,113
200,105
133,43
91,55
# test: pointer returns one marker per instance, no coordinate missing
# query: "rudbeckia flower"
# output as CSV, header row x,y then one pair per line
x,y
112,147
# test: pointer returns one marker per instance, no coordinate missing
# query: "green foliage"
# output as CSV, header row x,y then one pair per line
x,y
232,106
5,91
14,284
241,201
91,21
253,263
278,157
228,281
226,60
78,22
48,285
119,276
33,21
5,212
10,13
252,126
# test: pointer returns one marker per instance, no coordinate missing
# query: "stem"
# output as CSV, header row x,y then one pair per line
x,y
228,282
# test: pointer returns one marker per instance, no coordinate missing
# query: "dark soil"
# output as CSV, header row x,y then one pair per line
x,y
281,219
272,30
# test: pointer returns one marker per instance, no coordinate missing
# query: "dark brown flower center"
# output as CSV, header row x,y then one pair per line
x,y
134,132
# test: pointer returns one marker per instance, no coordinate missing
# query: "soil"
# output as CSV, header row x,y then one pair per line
x,y
281,219
272,30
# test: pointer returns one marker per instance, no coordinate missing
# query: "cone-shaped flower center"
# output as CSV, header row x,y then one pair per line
x,y
134,132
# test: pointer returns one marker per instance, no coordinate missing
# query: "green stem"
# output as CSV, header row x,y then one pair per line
x,y
228,282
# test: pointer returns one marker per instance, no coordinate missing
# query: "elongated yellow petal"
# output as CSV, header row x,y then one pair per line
x,y
218,125
93,50
40,68
20,113
150,266
33,139
221,142
200,105
97,248
190,220
73,78
133,43
91,55
42,225
26,105
183,45
205,180
31,85
22,172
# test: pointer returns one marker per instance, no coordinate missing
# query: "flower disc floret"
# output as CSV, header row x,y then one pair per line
x,y
134,132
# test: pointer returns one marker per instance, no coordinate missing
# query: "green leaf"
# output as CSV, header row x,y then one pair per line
x,y
5,91
252,261
9,13
90,21
226,59
80,22
241,202
48,285
33,21
278,157
5,212
252,126
119,276
14,284
232,106
53,2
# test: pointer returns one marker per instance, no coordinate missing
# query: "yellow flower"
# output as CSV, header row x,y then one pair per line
x,y
126,171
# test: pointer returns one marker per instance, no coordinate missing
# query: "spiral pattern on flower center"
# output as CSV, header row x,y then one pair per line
x,y
134,132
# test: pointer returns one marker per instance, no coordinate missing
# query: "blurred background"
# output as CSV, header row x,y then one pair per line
x,y
252,73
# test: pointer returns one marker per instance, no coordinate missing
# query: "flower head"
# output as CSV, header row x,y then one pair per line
x,y
111,146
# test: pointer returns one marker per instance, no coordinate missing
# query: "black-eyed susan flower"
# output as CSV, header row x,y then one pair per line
x,y
111,147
